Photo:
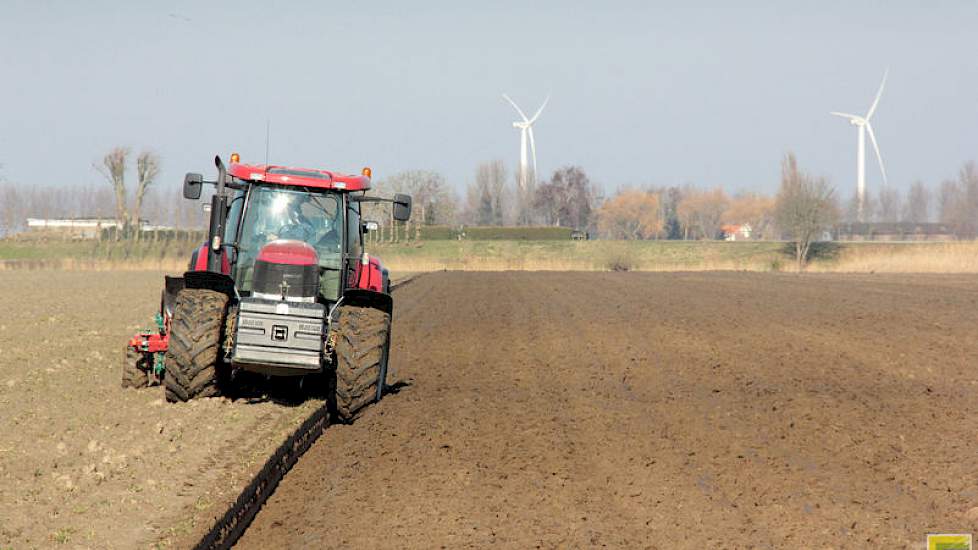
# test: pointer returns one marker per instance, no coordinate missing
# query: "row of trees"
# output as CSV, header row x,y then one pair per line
x,y
683,213
568,198
803,208
690,213
953,202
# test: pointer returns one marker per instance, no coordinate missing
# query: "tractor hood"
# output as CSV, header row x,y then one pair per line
x,y
286,270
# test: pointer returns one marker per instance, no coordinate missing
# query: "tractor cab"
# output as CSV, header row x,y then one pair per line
x,y
270,213
279,287
261,204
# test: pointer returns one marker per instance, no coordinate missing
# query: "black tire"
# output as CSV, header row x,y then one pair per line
x,y
193,358
135,369
361,355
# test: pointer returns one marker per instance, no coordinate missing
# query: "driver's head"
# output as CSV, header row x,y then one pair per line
x,y
295,211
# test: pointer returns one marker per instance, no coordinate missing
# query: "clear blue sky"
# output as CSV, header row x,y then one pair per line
x,y
643,92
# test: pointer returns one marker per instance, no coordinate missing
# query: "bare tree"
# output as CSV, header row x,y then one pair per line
x,y
804,208
485,197
11,209
889,205
701,212
478,201
113,168
669,200
147,169
947,199
917,207
957,202
433,201
579,195
524,202
567,199
966,209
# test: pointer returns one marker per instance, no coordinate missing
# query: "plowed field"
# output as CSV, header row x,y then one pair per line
x,y
85,463
726,410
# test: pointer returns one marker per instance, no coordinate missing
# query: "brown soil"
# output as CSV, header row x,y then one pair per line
x,y
87,464
655,410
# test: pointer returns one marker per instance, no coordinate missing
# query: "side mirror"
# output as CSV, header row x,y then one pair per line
x,y
369,226
192,184
402,207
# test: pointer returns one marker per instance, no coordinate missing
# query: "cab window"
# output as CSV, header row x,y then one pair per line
x,y
353,229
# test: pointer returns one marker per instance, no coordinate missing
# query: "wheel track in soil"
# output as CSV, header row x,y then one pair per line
x,y
231,524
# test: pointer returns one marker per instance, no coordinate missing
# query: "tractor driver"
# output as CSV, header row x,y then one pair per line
x,y
312,219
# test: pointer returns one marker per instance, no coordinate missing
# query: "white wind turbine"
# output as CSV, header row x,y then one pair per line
x,y
526,131
863,124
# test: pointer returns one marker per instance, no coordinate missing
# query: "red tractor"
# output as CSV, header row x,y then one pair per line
x,y
282,287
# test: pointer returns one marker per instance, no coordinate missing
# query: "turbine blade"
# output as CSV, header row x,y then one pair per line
x,y
540,110
879,93
876,147
845,115
533,150
515,106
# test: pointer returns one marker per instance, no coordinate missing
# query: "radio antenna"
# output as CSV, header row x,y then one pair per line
x,y
268,128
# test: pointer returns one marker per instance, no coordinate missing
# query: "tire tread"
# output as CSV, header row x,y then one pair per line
x,y
361,339
193,355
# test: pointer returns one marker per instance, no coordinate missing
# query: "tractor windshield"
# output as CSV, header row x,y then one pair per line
x,y
311,216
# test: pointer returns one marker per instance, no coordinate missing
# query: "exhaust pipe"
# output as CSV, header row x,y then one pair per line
x,y
218,214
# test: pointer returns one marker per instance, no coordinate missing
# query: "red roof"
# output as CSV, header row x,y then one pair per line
x,y
299,177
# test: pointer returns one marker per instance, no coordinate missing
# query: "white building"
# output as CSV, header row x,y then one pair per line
x,y
82,228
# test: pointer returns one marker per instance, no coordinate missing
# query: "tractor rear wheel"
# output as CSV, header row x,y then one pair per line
x,y
135,367
361,356
193,358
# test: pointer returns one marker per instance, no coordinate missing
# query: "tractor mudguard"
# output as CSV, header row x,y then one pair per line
x,y
361,297
171,287
218,282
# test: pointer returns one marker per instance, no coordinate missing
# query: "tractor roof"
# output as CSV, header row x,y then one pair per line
x,y
299,177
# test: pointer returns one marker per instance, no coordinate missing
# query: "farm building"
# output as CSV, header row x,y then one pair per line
x,y
80,228
733,232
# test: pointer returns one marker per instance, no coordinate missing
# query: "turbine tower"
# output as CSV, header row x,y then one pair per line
x,y
526,133
862,123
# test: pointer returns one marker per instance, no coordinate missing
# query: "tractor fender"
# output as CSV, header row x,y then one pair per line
x,y
368,298
218,282
168,301
199,277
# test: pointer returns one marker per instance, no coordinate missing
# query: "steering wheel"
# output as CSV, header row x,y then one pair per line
x,y
296,231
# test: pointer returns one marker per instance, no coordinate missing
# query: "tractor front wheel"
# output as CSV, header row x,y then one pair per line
x,y
193,359
361,356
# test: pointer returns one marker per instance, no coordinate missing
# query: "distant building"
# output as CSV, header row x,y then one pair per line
x,y
734,232
893,231
81,228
